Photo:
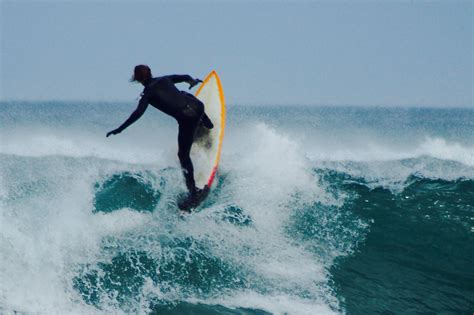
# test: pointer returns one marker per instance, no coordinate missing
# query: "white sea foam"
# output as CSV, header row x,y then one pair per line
x,y
437,148
441,149
49,231
44,143
275,304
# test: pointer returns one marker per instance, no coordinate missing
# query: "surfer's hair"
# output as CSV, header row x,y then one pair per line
x,y
141,73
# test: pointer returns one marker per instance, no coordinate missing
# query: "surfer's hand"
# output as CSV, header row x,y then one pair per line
x,y
194,83
113,132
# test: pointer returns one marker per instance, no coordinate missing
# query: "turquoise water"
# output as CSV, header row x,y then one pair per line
x,y
315,211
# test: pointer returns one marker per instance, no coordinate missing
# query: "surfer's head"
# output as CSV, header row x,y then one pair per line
x,y
141,73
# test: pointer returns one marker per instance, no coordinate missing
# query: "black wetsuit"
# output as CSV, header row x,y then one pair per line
x,y
162,94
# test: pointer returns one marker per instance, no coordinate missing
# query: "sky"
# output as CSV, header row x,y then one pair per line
x,y
390,53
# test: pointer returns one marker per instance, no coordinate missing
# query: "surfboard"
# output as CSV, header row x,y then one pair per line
x,y
207,146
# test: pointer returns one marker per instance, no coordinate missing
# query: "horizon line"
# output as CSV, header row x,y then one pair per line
x,y
249,104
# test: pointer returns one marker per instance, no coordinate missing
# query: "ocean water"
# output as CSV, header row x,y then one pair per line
x,y
316,210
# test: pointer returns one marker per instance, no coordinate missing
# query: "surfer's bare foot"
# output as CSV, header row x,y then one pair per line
x,y
199,191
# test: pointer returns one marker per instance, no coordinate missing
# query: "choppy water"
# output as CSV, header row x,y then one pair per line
x,y
316,211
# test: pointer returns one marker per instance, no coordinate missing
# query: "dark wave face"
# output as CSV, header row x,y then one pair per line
x,y
418,251
314,211
125,190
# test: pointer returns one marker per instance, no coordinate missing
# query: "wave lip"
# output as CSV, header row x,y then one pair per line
x,y
437,148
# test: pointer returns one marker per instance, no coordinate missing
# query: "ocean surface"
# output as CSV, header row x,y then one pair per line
x,y
316,210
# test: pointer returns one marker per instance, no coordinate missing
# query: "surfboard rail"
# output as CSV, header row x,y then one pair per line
x,y
211,109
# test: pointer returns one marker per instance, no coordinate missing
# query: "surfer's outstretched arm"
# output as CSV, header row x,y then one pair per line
x,y
142,105
178,78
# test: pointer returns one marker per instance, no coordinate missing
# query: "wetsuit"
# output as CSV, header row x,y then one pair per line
x,y
162,94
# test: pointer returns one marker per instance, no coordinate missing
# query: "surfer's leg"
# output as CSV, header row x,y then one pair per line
x,y
185,141
200,112
206,121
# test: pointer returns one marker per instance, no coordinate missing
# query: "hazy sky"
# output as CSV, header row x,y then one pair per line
x,y
363,53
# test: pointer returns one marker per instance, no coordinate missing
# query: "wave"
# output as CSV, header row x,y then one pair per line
x,y
106,237
125,190
87,231
436,148
48,143
408,233
114,240
137,148
431,158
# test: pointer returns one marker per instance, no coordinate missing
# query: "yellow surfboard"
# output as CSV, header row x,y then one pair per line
x,y
206,150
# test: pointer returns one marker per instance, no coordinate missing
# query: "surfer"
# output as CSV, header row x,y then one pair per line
x,y
161,93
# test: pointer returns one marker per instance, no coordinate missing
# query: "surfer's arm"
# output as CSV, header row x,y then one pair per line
x,y
137,113
178,78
